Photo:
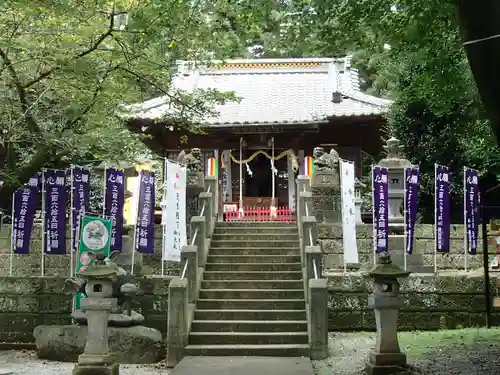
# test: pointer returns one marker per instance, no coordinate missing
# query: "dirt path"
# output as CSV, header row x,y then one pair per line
x,y
470,352
25,363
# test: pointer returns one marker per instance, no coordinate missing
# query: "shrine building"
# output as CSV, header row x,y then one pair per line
x,y
285,106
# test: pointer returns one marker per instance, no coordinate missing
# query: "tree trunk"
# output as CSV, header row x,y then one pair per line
x,y
480,30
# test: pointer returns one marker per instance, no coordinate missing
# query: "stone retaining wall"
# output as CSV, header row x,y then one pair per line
x,y
26,302
445,301
330,238
451,300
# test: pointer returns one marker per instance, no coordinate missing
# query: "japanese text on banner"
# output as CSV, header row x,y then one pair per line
x,y
442,208
347,182
175,236
380,189
145,230
55,211
25,202
412,187
80,186
471,201
115,199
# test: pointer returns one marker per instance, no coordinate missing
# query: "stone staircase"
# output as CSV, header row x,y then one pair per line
x,y
251,301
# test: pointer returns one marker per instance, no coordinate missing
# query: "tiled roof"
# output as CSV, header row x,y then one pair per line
x,y
273,91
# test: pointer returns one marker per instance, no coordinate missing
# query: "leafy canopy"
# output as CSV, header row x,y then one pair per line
x,y
66,66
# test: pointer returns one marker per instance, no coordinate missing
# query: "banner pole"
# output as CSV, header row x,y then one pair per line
x,y
465,218
435,217
374,232
273,181
163,220
241,211
405,212
44,214
12,235
137,191
71,217
104,190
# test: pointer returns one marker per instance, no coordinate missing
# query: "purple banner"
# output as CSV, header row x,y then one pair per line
x,y
380,208
25,202
80,189
442,208
114,201
55,211
145,227
471,202
412,187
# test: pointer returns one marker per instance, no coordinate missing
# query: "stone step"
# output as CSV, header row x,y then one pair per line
x,y
251,293
300,350
239,236
252,275
253,258
247,338
259,244
253,267
249,326
261,303
250,315
252,284
254,250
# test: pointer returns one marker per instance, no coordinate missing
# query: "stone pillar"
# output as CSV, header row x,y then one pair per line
x,y
318,318
386,358
194,186
96,358
305,200
198,226
313,259
358,200
395,164
211,182
325,187
205,204
189,255
177,325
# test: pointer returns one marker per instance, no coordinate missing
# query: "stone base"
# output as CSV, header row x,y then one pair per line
x,y
113,369
134,345
386,363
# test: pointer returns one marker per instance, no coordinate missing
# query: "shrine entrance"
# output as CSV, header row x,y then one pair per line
x,y
259,182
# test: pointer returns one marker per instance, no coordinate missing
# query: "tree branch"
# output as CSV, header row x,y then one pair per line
x,y
172,97
21,93
96,93
92,48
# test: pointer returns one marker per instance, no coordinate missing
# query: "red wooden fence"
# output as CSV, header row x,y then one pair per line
x,y
283,214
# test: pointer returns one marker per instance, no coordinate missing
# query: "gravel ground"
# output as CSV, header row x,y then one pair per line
x,y
467,351
24,362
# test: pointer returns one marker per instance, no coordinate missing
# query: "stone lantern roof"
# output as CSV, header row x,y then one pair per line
x,y
100,270
395,157
385,268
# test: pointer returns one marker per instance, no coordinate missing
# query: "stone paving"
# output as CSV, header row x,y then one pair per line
x,y
244,366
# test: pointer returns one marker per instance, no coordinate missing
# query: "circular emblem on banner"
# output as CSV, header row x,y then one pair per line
x,y
85,259
95,235
82,268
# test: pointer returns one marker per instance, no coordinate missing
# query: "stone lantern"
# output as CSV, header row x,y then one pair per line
x,y
386,358
96,358
396,164
358,200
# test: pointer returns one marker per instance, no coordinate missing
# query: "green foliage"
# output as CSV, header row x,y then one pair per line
x,y
411,51
67,65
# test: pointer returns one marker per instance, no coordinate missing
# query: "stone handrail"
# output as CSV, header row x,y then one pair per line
x,y
315,286
183,290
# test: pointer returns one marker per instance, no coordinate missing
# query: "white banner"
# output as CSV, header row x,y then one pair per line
x,y
175,206
347,178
